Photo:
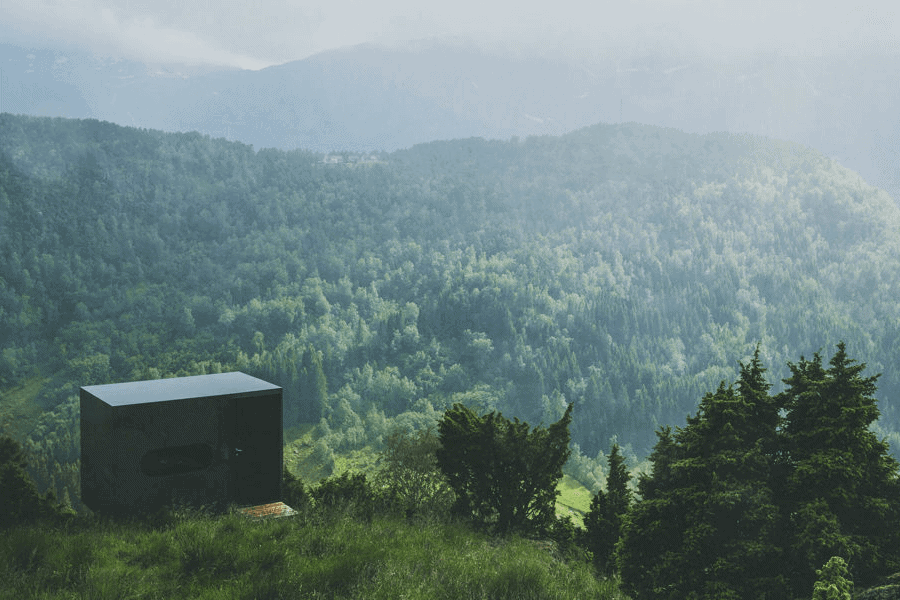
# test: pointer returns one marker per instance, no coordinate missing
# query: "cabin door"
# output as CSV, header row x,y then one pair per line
x,y
254,448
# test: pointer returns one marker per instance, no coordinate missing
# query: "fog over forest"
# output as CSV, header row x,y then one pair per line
x,y
668,245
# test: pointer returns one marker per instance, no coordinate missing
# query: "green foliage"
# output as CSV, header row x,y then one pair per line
x,y
621,268
410,477
842,479
313,387
708,522
230,556
565,535
20,409
293,492
20,501
833,581
345,494
504,473
603,522
743,502
158,250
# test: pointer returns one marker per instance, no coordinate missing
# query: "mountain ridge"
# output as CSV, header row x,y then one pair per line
x,y
371,98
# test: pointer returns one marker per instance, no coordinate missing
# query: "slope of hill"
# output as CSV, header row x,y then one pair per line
x,y
624,268
369,97
232,557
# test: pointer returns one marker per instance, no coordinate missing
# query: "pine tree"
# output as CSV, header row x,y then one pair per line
x,y
603,522
313,386
842,489
764,419
706,525
648,555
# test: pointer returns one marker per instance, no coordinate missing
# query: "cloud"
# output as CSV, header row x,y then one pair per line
x,y
136,32
256,33
145,39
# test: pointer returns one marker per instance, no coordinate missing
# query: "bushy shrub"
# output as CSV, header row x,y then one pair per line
x,y
410,480
323,455
294,492
565,534
504,473
347,494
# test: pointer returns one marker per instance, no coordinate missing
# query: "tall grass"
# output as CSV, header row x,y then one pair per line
x,y
232,557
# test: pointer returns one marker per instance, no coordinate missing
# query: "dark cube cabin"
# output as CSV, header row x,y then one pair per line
x,y
208,440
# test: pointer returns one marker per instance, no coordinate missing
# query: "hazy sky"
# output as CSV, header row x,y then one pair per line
x,y
256,33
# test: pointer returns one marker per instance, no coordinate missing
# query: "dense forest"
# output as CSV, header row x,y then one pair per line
x,y
625,269
603,286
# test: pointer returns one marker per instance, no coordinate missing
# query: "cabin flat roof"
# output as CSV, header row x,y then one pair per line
x,y
235,384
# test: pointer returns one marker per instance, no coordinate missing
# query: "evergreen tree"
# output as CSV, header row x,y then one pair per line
x,y
313,386
833,581
764,419
706,526
603,522
504,474
842,489
649,552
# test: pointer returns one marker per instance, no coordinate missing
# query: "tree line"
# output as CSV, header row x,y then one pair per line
x,y
756,496
621,268
757,491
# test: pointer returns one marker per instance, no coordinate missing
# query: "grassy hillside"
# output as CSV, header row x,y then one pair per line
x,y
574,499
299,557
19,411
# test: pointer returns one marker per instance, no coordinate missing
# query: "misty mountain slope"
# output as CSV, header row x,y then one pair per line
x,y
368,97
770,225
66,82
624,268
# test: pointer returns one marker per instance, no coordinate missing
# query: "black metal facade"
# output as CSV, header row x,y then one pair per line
x,y
207,440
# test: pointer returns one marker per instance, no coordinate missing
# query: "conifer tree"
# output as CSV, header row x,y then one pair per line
x,y
648,555
764,419
313,386
833,581
603,522
842,489
706,526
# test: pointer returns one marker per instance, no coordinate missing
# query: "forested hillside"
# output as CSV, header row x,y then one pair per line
x,y
373,97
623,268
